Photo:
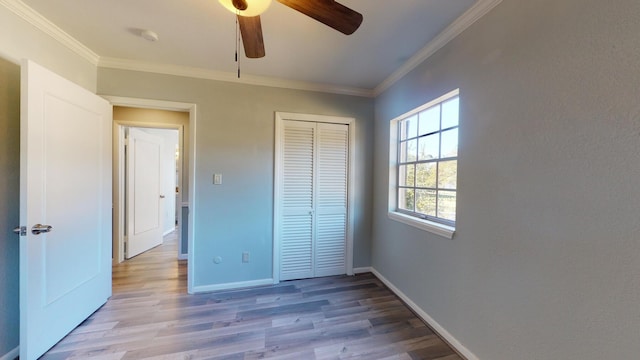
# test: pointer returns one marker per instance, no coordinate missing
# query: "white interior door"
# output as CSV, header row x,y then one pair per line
x,y
313,199
143,192
65,182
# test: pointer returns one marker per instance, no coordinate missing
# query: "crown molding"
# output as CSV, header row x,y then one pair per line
x,y
43,24
481,8
28,14
199,73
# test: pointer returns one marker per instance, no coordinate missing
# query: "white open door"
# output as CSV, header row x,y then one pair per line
x,y
65,182
144,192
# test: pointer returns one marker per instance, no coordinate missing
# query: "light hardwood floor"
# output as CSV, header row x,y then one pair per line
x,y
151,316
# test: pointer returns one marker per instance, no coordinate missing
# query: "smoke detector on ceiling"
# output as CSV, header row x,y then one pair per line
x,y
149,35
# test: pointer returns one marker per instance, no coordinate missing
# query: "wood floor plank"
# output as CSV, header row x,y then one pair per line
x,y
150,316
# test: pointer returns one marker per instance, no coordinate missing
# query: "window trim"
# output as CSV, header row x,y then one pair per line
x,y
423,224
393,213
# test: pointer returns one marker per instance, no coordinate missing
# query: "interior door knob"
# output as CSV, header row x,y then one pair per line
x,y
161,196
38,229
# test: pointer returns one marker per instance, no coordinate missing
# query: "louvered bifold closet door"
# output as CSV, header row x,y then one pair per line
x,y
296,229
331,199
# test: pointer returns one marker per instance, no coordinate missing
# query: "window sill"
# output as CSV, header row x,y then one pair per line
x,y
426,225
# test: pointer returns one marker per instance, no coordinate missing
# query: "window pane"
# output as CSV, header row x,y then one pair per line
x,y
450,113
411,149
426,175
405,199
407,174
447,205
409,127
429,120
429,147
450,143
426,202
447,174
408,150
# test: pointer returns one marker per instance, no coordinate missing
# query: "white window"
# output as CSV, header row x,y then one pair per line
x,y
424,166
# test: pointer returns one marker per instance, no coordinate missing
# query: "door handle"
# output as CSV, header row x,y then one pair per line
x,y
20,230
38,229
161,196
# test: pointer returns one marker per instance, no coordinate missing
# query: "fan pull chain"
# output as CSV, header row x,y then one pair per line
x,y
237,45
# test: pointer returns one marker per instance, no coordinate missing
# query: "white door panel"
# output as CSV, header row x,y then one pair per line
x,y
296,235
144,202
65,182
331,199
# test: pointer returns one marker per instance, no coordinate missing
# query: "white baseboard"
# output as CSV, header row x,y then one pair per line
x,y
362,270
11,354
428,319
168,232
232,286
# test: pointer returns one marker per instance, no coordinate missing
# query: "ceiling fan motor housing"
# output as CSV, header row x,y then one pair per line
x,y
240,4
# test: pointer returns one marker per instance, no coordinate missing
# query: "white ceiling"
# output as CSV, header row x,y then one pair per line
x,y
199,35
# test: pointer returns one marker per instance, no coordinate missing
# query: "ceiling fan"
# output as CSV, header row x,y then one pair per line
x,y
328,12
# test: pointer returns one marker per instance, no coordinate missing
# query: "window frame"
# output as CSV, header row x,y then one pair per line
x,y
433,224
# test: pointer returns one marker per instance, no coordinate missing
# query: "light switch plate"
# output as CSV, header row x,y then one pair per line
x,y
217,179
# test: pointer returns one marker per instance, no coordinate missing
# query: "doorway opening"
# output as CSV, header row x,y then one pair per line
x,y
187,181
159,114
150,123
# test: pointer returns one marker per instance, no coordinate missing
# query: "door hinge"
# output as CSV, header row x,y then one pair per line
x,y
20,230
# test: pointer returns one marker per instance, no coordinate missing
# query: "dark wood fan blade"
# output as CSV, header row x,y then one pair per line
x,y
251,30
328,12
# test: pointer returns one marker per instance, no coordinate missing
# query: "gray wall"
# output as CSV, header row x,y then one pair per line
x,y
9,204
21,40
235,137
545,263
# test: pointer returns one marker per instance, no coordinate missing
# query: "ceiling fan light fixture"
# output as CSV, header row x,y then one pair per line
x,y
247,8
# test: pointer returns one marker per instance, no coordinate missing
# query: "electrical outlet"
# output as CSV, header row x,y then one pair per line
x,y
245,257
